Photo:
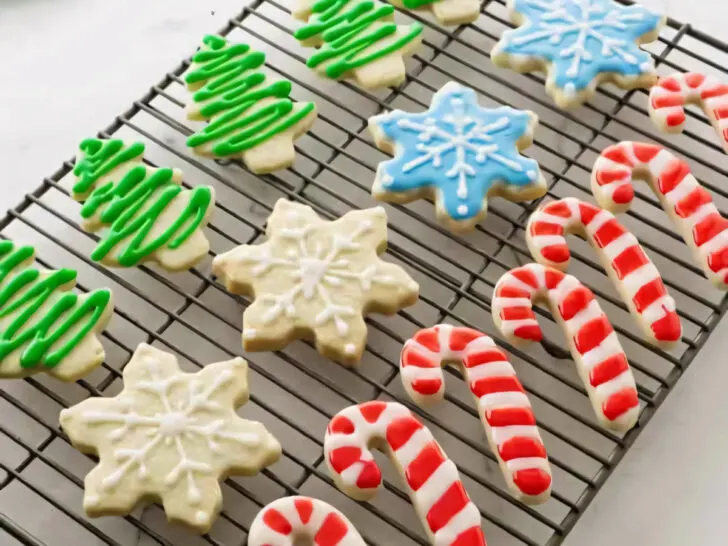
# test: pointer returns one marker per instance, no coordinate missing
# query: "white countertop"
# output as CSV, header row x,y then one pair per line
x,y
74,64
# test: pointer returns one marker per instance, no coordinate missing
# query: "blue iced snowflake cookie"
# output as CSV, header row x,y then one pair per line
x,y
457,153
580,44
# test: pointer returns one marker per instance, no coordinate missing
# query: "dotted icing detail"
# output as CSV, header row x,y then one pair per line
x,y
582,38
145,208
459,148
245,107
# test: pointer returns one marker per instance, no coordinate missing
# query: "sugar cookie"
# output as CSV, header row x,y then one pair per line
x,y
457,153
595,348
447,12
358,39
580,44
284,522
634,275
44,327
439,497
686,202
503,406
145,213
314,278
250,114
669,97
169,436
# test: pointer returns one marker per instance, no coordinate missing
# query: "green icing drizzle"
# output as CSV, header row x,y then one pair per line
x,y
232,89
348,28
131,207
25,290
414,4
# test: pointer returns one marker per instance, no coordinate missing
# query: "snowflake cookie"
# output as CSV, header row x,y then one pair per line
x,y
169,436
580,44
457,153
314,278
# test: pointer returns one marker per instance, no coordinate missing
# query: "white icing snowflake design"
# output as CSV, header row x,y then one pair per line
x,y
581,39
169,435
315,276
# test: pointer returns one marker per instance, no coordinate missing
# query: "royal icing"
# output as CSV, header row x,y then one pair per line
x,y
447,12
169,435
634,274
669,97
43,325
459,151
148,214
358,38
502,402
438,495
686,202
287,521
595,348
581,40
244,107
315,276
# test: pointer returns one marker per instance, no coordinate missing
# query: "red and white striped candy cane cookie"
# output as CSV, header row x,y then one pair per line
x,y
630,269
437,493
284,522
502,402
685,201
599,357
669,97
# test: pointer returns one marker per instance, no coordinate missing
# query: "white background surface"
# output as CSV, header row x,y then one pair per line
x,y
70,65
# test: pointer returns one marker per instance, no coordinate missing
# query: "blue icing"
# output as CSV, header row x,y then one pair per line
x,y
457,146
582,38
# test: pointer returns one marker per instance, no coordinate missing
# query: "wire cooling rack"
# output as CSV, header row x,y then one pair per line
x,y
296,391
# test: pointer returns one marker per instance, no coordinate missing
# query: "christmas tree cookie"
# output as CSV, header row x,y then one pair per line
x,y
358,39
313,278
169,436
447,12
145,213
43,325
250,114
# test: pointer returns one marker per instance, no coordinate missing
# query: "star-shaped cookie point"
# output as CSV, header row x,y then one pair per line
x,y
314,278
169,436
457,153
580,43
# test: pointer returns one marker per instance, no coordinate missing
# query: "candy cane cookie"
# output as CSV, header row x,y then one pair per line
x,y
669,97
502,402
685,201
437,493
595,348
286,521
637,279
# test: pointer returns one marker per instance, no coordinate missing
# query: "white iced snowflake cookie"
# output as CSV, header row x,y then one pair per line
x,y
315,279
169,436
580,44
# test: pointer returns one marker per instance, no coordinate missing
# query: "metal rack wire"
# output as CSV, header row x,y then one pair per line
x,y
296,391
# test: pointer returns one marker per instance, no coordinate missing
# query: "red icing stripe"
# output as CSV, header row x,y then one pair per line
x,y
672,175
608,369
671,84
461,337
342,425
427,386
676,118
609,231
447,506
718,260
619,403
720,112
400,430
546,228
716,91
556,253
516,313
532,481
369,477
532,332
429,338
666,101
575,301
629,260
424,465
645,152
587,212
694,79
484,357
471,537
504,417
371,411
667,328
558,208
709,227
332,530
592,334
412,357
489,385
648,294
608,176
521,446
618,154
526,276
692,202
342,458
304,507
623,194
725,134
553,278
506,291
277,522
